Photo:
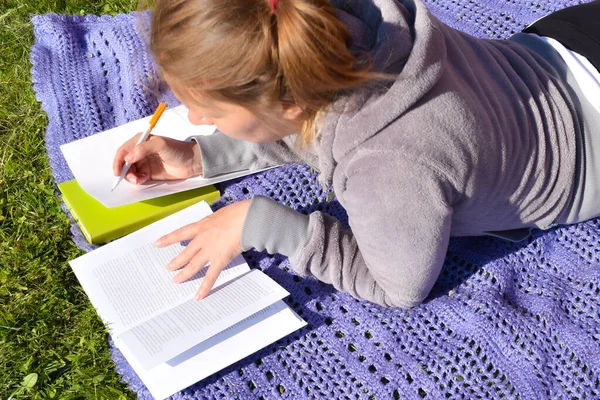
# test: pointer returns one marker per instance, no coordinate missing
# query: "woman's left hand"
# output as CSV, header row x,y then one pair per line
x,y
216,238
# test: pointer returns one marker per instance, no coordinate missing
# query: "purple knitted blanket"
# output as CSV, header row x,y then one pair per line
x,y
504,320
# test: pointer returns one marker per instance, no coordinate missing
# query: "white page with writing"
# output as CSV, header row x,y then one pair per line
x,y
218,352
180,328
90,160
127,282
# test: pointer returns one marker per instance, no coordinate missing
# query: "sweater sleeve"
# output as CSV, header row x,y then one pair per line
x,y
395,250
221,154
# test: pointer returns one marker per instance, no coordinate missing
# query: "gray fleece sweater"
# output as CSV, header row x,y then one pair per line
x,y
473,137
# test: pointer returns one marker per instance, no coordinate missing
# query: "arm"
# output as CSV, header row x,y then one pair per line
x,y
397,245
221,154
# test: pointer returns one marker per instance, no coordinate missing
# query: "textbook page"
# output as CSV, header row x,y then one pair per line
x,y
127,282
167,335
90,159
244,329
218,352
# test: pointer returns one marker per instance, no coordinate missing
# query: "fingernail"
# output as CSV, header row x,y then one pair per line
x,y
129,157
199,296
170,266
176,279
133,179
157,243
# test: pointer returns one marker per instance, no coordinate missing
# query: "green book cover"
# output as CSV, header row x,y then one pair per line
x,y
100,224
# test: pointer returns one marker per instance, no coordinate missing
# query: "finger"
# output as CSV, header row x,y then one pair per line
x,y
138,173
185,256
136,178
140,179
185,233
196,264
213,272
131,175
122,152
151,146
119,161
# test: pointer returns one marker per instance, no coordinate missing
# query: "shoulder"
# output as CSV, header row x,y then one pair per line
x,y
393,179
423,142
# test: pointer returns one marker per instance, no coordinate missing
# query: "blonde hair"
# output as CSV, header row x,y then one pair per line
x,y
243,53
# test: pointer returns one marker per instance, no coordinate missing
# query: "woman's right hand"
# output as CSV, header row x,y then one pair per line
x,y
158,158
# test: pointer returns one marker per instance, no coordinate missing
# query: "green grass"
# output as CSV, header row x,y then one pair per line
x,y
52,344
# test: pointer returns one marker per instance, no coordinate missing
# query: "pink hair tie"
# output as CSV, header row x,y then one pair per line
x,y
273,5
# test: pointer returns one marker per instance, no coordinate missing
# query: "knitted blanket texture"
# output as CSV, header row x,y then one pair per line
x,y
505,320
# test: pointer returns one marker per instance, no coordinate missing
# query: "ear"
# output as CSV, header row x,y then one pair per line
x,y
291,111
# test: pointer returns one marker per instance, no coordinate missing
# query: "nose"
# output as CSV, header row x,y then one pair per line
x,y
197,119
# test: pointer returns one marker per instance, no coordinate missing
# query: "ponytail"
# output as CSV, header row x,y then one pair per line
x,y
255,52
315,58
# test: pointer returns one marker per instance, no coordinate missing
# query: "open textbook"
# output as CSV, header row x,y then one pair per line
x,y
171,340
90,159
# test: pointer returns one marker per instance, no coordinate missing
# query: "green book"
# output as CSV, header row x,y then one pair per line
x,y
100,224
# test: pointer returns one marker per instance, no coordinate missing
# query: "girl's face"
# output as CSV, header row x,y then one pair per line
x,y
240,123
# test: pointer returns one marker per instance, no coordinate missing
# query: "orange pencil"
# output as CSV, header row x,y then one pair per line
x,y
159,110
